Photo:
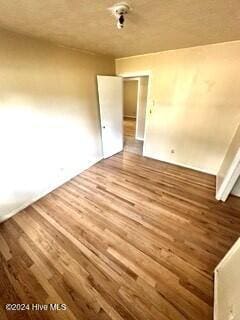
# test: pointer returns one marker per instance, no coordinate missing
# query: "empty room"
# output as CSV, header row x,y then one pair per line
x,y
119,160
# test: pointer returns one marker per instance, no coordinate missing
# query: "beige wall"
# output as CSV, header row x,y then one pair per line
x,y
194,98
130,90
236,189
49,122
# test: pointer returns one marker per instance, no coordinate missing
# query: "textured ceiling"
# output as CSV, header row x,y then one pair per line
x,y
152,26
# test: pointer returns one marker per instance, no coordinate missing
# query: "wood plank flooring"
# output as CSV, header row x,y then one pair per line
x,y
130,238
130,143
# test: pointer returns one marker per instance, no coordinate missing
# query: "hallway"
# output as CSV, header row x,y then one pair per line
x,y
130,143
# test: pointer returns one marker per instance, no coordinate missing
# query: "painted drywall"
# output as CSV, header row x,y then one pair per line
x,y
194,103
236,188
130,91
227,286
49,118
141,109
227,169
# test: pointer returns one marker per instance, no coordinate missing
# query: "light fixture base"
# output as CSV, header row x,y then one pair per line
x,y
120,10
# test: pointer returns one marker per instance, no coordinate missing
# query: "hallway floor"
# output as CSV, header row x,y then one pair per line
x,y
130,143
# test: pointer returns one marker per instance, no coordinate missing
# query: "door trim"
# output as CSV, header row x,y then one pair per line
x,y
230,179
135,74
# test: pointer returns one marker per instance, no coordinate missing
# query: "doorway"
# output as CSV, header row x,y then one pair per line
x,y
122,110
135,90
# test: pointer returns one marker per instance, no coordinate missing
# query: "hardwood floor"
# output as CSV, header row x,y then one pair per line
x,y
130,238
130,143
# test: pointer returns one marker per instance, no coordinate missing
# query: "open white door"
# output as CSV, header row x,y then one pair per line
x,y
110,93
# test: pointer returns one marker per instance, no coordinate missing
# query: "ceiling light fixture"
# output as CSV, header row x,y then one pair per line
x,y
120,10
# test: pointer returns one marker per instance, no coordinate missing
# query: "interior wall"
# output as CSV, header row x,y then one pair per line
x,y
49,118
141,110
236,188
193,110
130,91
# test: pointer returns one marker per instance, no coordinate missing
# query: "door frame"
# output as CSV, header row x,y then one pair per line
x,y
230,178
137,108
144,73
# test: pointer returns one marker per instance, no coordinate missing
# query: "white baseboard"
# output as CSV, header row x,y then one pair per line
x,y
235,194
145,154
49,189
